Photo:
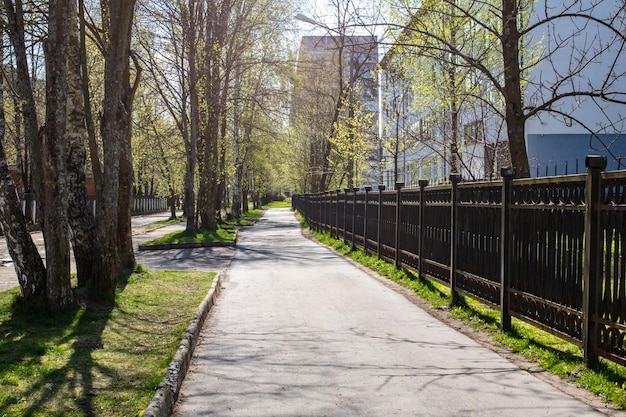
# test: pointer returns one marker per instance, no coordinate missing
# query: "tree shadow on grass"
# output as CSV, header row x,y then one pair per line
x,y
46,361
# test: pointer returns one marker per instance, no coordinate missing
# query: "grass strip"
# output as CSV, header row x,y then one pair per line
x,y
279,204
226,232
195,236
552,354
105,362
158,224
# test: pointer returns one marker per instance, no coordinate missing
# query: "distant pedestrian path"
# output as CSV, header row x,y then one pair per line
x,y
204,259
299,331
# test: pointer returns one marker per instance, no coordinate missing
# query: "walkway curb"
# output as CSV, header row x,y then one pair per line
x,y
162,404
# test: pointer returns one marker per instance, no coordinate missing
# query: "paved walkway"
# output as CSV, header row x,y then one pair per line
x,y
298,331
202,259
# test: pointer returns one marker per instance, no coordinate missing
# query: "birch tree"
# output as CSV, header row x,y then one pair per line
x,y
29,267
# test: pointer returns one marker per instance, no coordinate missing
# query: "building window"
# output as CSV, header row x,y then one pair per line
x,y
473,132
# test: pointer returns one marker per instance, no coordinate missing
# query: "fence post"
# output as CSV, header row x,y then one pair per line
x,y
320,214
354,191
505,248
381,188
337,215
420,243
398,189
454,226
367,191
324,211
329,210
345,211
593,255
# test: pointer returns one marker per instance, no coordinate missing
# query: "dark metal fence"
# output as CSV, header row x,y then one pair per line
x,y
549,251
141,205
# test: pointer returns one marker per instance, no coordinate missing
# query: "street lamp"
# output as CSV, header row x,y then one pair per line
x,y
307,19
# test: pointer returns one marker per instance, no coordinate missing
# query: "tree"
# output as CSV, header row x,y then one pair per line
x,y
114,211
191,19
84,236
172,63
29,267
53,141
352,130
24,87
431,103
334,65
515,32
217,72
158,150
255,56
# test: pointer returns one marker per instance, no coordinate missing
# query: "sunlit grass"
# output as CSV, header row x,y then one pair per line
x,y
279,204
104,362
196,236
226,232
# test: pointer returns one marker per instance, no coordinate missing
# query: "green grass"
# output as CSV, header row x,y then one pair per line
x,y
105,362
279,204
226,232
604,378
160,223
247,219
195,236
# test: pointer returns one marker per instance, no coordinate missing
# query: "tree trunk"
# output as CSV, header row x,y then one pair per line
x,y
115,130
53,143
16,25
124,225
189,20
87,250
172,203
30,270
512,89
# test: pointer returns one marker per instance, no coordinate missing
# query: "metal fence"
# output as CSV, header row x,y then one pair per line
x,y
140,205
549,251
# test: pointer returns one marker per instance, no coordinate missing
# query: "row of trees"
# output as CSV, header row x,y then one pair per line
x,y
221,70
55,147
189,93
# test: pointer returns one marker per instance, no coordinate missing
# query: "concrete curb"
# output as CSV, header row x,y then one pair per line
x,y
162,404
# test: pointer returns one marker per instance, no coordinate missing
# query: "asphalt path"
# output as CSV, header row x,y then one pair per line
x,y
202,259
299,331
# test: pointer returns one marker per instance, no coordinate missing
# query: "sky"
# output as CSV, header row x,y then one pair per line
x,y
323,12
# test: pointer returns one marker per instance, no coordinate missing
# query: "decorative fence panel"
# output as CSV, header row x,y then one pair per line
x,y
610,322
436,250
409,228
359,220
546,280
387,225
549,251
145,205
478,240
371,222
